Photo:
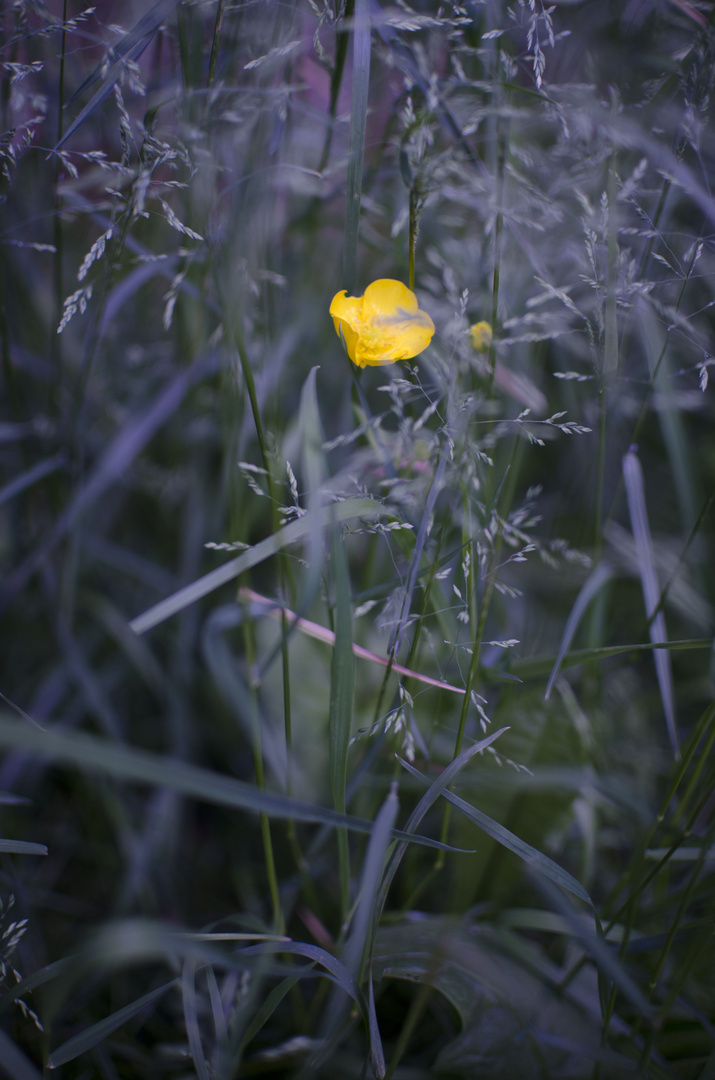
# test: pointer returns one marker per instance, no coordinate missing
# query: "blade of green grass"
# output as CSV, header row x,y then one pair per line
x,y
635,494
130,47
139,766
289,534
596,946
13,1062
112,466
540,665
335,967
32,476
21,847
427,800
191,1018
268,1007
591,587
361,933
417,553
342,692
536,859
358,121
91,1036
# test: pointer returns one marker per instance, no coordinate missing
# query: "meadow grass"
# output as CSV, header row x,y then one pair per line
x,y
357,721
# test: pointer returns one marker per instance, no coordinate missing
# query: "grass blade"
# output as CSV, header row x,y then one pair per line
x,y
264,605
139,766
358,121
191,1018
112,466
21,847
536,859
289,534
130,47
32,476
342,676
14,1063
342,692
635,494
427,800
88,1038
360,932
417,553
591,587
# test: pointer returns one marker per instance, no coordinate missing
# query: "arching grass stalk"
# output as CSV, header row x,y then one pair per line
x,y
247,371
504,498
214,43
341,52
502,140
257,751
414,202
417,1008
609,369
670,937
57,221
640,875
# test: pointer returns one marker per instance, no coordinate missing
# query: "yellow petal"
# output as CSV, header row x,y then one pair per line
x,y
394,328
387,297
346,312
392,338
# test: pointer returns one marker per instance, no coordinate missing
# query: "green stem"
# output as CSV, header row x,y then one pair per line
x,y
257,751
285,628
502,137
341,51
417,1008
504,501
413,237
214,43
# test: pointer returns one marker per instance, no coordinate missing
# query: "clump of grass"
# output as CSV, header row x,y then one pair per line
x,y
357,720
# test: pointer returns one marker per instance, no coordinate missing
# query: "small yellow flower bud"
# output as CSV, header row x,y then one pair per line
x,y
481,335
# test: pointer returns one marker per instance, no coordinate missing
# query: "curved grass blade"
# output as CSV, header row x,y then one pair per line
x,y
361,929
130,47
635,494
21,847
378,1056
335,967
536,859
13,1062
597,948
321,633
38,978
289,534
88,1038
427,800
342,692
140,766
417,553
32,476
113,465
358,121
191,1018
268,1007
591,587
538,666
342,675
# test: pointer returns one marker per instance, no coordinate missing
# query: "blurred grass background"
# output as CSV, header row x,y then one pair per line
x,y
185,186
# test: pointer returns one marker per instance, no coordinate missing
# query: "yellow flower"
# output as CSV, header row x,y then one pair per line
x,y
382,326
481,335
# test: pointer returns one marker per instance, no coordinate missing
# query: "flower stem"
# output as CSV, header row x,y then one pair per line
x,y
413,237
